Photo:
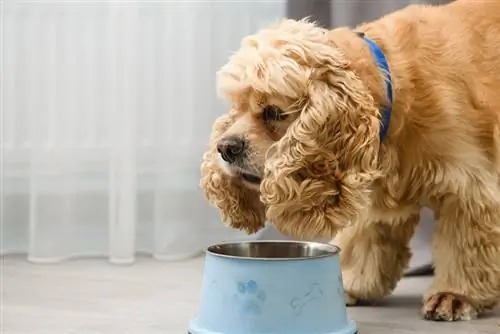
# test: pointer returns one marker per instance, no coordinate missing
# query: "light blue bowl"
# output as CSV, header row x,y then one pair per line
x,y
272,287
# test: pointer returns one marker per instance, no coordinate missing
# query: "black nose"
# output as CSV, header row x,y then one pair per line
x,y
230,148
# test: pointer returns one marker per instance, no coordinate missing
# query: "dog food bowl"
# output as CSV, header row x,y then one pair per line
x,y
272,287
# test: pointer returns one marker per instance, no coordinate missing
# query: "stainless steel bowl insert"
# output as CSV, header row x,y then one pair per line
x,y
273,250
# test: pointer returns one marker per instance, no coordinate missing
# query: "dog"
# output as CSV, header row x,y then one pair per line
x,y
348,133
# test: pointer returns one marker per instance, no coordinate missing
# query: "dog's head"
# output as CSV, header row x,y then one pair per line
x,y
302,135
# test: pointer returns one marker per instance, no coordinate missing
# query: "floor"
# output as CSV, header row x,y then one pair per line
x,y
91,296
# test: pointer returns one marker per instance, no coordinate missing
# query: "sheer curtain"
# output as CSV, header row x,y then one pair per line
x,y
107,108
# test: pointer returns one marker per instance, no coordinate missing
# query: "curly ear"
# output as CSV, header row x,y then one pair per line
x,y
319,175
240,207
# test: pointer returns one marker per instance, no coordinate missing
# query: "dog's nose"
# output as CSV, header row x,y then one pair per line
x,y
230,148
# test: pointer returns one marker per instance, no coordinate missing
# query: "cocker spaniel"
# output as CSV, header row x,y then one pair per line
x,y
347,134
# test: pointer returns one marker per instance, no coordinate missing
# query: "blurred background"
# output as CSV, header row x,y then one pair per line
x,y
107,108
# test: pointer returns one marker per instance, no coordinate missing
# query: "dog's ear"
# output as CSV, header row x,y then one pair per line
x,y
240,207
318,176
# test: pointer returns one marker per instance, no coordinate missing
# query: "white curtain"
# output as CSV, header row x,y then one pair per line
x,y
107,108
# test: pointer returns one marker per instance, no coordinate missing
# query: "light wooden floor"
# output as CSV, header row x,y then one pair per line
x,y
90,296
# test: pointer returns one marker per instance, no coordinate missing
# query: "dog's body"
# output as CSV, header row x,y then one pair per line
x,y
445,154
329,172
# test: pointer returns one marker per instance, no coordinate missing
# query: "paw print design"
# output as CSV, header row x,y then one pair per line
x,y
298,303
249,298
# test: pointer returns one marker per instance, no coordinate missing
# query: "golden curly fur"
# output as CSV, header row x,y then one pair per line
x,y
306,107
238,204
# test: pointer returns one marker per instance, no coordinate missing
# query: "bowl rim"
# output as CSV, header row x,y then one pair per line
x,y
331,250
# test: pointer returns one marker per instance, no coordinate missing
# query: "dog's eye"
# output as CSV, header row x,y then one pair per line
x,y
272,114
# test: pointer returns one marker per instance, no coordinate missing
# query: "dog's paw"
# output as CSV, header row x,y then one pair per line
x,y
350,300
448,307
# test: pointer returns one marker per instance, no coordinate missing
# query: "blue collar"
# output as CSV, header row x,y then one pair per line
x,y
383,65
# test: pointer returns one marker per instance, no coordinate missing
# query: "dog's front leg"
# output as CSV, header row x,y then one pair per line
x,y
373,257
466,248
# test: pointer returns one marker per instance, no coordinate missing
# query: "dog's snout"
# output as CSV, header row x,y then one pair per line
x,y
230,148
